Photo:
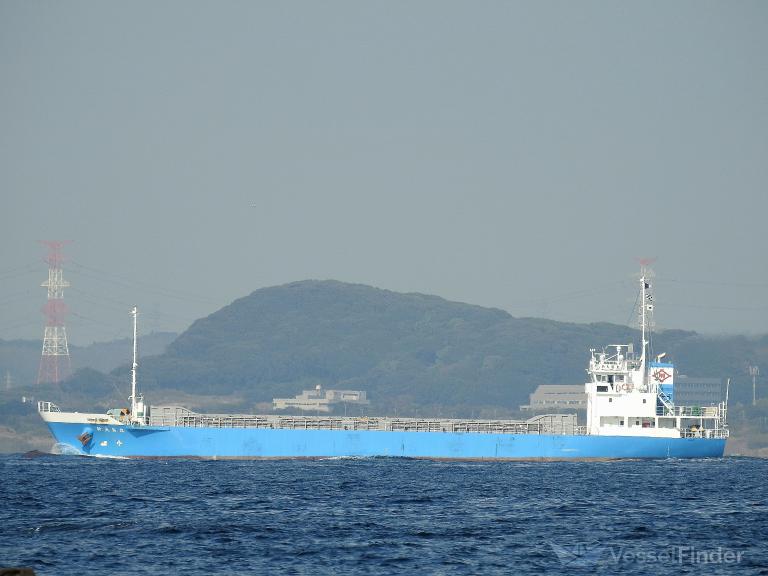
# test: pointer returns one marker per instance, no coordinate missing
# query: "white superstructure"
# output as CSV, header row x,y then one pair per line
x,y
629,396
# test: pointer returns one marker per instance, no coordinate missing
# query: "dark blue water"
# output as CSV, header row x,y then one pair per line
x,y
69,515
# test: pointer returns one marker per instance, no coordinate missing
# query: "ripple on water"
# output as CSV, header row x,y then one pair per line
x,y
374,515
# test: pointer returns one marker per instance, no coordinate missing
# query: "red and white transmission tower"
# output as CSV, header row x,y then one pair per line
x,y
55,339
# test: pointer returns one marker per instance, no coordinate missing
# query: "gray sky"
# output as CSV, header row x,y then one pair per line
x,y
511,154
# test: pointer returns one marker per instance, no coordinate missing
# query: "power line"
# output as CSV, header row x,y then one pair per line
x,y
709,307
585,293
22,323
136,284
15,297
122,306
713,282
18,272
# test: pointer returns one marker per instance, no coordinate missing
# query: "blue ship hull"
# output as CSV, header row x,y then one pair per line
x,y
167,442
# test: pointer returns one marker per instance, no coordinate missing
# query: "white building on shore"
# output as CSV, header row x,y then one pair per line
x,y
320,400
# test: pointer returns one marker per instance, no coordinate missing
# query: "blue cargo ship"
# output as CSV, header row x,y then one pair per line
x,y
631,413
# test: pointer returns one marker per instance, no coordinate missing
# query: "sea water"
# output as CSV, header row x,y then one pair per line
x,y
64,515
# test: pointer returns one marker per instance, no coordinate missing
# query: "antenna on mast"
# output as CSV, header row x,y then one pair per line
x,y
646,306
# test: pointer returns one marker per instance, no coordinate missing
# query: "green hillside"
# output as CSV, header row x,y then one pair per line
x,y
411,352
20,359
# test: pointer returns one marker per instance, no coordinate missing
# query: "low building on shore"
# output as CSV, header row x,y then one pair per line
x,y
556,397
321,400
688,391
697,391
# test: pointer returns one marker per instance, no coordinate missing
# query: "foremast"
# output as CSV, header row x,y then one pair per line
x,y
137,401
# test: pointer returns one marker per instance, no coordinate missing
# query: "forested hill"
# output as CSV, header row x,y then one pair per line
x,y
20,359
411,352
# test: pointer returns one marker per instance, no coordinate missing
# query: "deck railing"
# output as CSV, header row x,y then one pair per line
x,y
547,424
689,411
705,433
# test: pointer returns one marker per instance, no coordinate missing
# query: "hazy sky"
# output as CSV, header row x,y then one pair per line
x,y
511,154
